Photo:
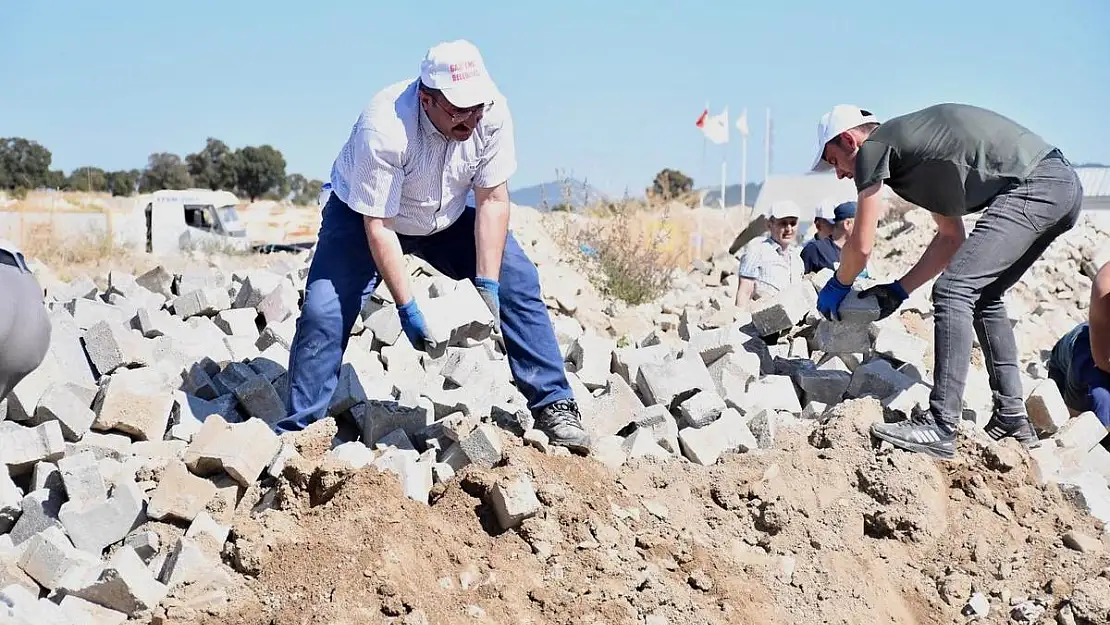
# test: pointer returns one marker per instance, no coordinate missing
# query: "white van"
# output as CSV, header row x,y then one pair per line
x,y
193,219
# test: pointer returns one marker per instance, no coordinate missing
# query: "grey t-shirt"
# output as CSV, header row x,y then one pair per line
x,y
10,248
951,159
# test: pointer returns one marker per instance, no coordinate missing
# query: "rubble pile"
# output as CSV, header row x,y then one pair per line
x,y
141,454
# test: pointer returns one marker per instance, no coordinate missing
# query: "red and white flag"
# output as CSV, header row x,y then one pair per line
x,y
715,127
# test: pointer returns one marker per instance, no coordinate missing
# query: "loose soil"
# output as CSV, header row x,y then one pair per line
x,y
828,528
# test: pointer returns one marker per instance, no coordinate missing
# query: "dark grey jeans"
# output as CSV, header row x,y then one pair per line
x,y
1010,235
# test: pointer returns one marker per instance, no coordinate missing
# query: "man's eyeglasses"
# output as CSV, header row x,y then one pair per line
x,y
458,116
787,222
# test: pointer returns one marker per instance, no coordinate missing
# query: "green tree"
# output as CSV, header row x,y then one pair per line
x,y
306,193
214,167
670,184
165,171
296,184
260,170
123,183
24,164
311,191
302,190
87,179
55,179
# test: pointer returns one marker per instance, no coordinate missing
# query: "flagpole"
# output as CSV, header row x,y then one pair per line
x,y
724,161
767,148
724,168
744,164
704,153
701,196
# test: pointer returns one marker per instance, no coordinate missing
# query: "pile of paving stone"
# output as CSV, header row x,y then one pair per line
x,y
156,401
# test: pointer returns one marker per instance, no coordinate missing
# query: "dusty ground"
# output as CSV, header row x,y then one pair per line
x,y
826,530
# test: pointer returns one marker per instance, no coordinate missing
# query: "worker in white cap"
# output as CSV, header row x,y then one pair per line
x,y
823,219
953,160
24,324
772,263
400,186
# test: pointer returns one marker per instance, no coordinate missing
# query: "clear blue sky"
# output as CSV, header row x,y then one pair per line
x,y
608,90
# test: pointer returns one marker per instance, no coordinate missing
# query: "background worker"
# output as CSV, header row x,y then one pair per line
x,y
772,263
953,160
818,254
24,323
1080,361
823,219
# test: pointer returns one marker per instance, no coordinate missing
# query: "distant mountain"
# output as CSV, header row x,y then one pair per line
x,y
555,192
582,193
732,194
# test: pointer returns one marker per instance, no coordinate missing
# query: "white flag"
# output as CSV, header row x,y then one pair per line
x,y
742,123
715,127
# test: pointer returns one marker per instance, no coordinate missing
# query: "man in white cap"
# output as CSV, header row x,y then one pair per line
x,y
773,263
400,186
823,219
953,160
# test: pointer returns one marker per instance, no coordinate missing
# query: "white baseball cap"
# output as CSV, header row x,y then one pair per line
x,y
824,210
842,117
456,69
783,208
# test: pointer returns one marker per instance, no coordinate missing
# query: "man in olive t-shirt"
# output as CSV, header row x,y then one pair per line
x,y
953,160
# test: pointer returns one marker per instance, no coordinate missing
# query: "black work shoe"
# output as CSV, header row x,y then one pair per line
x,y
1020,429
562,423
921,436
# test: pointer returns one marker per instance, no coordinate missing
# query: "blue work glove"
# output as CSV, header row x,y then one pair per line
x,y
412,323
890,297
489,289
828,300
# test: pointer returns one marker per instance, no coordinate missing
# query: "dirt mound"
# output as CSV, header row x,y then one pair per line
x,y
830,528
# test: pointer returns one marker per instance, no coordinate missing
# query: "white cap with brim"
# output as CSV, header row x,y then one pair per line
x,y
824,210
842,117
457,70
783,208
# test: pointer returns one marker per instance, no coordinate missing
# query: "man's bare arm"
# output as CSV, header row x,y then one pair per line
x,y
949,237
857,249
744,292
385,247
1098,316
491,228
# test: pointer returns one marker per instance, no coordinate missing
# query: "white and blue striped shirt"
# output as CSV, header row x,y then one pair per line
x,y
396,165
772,267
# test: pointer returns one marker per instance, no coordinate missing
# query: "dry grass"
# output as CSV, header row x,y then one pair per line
x,y
628,249
42,243
67,257
65,202
94,256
